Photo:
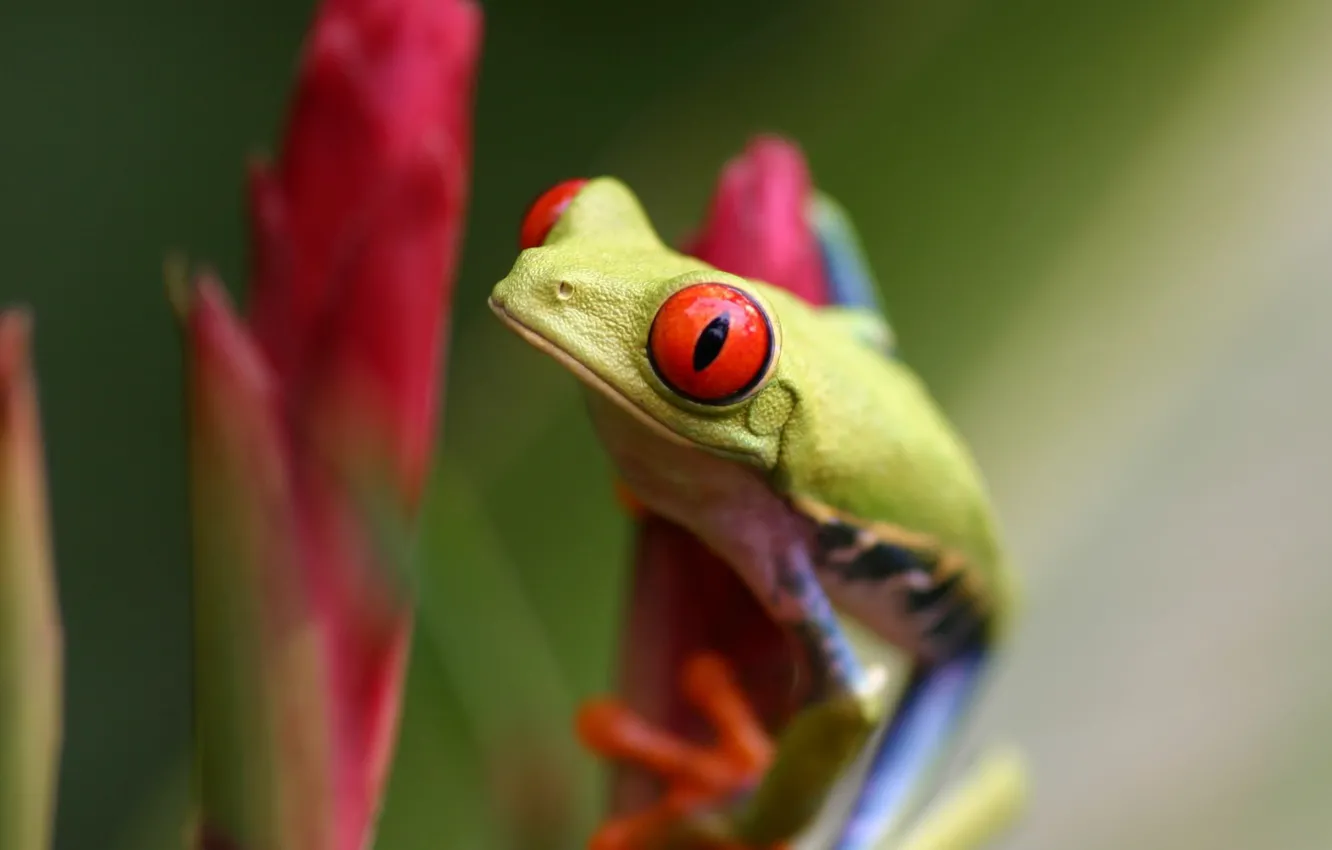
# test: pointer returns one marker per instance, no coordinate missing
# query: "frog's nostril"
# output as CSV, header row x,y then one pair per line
x,y
564,290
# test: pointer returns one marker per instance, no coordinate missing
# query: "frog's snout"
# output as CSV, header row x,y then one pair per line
x,y
517,296
515,306
502,297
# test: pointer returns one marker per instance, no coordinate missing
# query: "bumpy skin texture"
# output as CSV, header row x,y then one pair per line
x,y
835,422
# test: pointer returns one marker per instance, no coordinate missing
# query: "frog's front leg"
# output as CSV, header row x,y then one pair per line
x,y
949,627
741,792
697,777
846,703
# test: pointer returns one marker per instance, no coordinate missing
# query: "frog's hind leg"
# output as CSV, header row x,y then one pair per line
x,y
912,748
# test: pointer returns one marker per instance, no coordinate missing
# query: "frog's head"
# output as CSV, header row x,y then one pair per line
x,y
690,351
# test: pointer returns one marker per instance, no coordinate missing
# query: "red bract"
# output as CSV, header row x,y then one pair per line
x,y
758,223
686,600
312,427
356,232
31,643
759,226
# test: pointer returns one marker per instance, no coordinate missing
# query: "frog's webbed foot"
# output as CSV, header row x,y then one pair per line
x,y
700,781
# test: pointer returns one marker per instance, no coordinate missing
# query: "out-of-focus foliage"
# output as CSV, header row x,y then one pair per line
x,y
31,652
1102,230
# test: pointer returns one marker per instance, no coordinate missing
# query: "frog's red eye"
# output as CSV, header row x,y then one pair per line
x,y
545,211
711,343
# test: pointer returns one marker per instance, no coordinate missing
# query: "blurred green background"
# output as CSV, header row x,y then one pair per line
x,y
1104,230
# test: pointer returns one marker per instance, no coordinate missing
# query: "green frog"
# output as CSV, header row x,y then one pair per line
x,y
796,445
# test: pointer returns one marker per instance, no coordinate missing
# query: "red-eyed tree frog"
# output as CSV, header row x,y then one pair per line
x,y
796,445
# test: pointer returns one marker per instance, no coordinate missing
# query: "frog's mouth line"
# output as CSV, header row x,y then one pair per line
x,y
587,376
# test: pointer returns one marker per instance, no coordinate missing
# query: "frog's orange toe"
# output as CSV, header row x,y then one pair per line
x,y
697,777
653,827
742,739
634,832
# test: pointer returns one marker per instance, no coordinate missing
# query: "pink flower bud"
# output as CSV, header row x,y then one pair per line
x,y
31,644
357,229
312,427
685,599
758,223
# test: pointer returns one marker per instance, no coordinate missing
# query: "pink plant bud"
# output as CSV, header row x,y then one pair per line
x,y
264,766
31,644
356,232
684,598
758,224
357,229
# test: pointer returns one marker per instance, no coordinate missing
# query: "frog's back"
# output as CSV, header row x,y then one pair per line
x,y
874,439
868,449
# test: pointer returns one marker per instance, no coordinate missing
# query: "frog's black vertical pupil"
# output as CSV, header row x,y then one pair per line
x,y
710,342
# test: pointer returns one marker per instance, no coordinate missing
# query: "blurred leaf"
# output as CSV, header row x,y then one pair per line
x,y
31,712
163,821
264,759
482,643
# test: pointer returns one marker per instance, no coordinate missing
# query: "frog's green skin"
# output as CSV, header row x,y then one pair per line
x,y
837,481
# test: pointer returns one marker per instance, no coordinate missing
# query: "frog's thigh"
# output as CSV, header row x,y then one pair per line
x,y
769,547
